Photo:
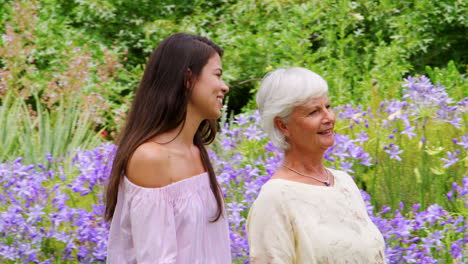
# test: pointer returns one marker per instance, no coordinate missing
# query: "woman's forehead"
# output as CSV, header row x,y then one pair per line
x,y
214,62
315,102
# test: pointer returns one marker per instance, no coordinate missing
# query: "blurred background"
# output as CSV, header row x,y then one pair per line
x,y
397,78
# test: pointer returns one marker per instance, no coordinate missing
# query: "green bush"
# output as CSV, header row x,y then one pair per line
x,y
363,48
54,94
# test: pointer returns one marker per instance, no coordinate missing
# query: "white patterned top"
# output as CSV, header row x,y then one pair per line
x,y
292,222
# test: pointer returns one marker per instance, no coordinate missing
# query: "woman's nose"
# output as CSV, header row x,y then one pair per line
x,y
224,88
329,115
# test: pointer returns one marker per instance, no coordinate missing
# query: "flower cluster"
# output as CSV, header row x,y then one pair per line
x,y
53,212
417,145
372,139
421,236
47,216
416,236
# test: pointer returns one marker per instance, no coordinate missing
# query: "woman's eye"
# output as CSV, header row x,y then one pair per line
x,y
313,112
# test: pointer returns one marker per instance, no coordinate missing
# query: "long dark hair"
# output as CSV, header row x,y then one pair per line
x,y
160,105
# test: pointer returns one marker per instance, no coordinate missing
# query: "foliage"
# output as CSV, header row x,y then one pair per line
x,y
54,215
52,93
68,70
363,48
455,83
52,212
31,134
408,150
418,144
403,153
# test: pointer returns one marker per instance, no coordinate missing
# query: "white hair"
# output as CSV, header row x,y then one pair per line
x,y
280,92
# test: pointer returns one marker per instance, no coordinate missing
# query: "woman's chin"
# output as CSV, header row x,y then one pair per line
x,y
215,115
328,144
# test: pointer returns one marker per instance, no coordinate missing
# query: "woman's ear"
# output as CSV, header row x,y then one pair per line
x,y
282,126
188,79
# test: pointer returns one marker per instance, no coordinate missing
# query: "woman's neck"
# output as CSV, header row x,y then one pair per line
x,y
305,162
183,135
189,129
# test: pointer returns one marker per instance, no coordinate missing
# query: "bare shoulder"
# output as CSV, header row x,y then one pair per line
x,y
149,166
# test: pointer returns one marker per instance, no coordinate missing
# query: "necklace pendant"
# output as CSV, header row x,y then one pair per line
x,y
327,183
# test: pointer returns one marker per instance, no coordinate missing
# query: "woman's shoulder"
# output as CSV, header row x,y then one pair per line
x,y
270,202
149,166
340,174
344,178
272,191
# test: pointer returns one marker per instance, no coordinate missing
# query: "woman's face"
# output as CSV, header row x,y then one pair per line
x,y
310,126
208,92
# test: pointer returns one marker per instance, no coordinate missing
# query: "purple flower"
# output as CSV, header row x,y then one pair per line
x,y
362,137
241,119
64,205
455,249
422,92
463,141
346,166
394,151
394,107
451,158
409,131
455,121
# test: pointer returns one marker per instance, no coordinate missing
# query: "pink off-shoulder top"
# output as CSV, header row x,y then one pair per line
x,y
168,225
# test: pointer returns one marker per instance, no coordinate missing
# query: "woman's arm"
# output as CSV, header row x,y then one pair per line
x,y
269,230
152,217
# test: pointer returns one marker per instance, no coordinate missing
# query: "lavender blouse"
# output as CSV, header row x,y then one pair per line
x,y
168,225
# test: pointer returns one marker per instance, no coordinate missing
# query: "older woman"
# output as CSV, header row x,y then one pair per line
x,y
307,213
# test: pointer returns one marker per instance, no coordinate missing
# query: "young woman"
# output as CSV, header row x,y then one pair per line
x,y
163,199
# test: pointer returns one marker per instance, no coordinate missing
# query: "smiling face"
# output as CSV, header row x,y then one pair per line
x,y
208,92
310,126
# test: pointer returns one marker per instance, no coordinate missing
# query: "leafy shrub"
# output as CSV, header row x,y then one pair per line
x,y
53,211
54,92
363,48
